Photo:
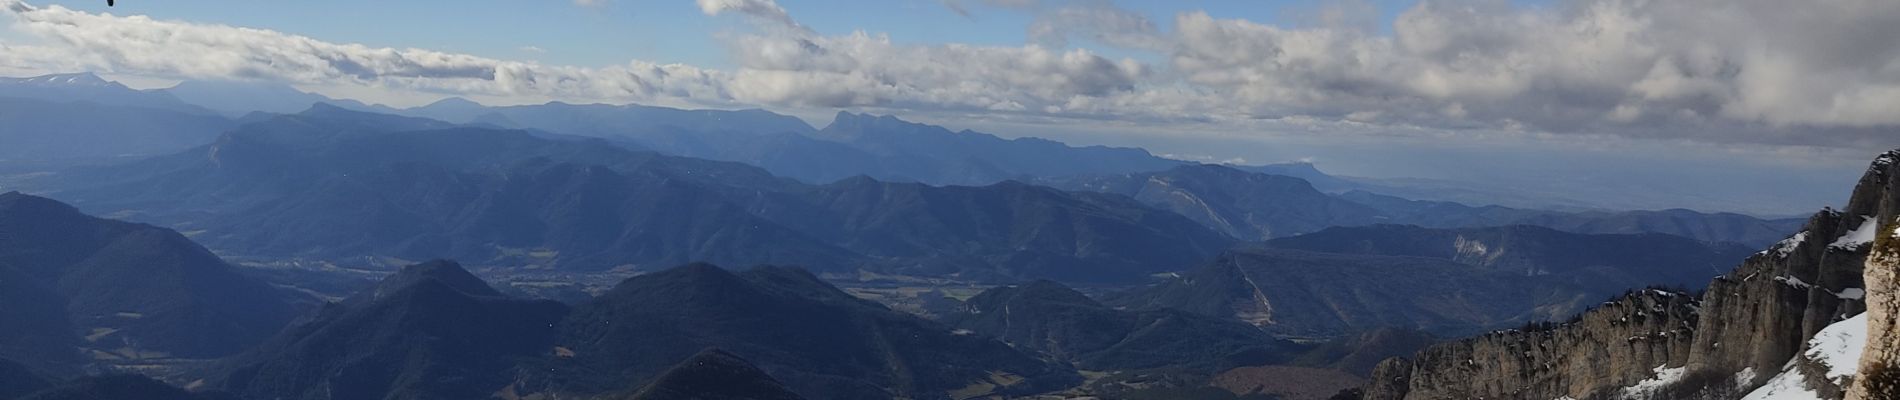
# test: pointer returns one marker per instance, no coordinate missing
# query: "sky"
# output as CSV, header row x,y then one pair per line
x,y
1758,106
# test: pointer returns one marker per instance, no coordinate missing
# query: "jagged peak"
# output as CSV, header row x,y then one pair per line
x,y
1885,159
1875,195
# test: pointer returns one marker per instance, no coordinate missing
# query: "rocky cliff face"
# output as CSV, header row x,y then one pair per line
x,y
1622,340
1749,323
1880,363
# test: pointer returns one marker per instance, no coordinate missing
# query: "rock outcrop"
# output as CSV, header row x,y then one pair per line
x,y
1620,341
1749,323
1879,377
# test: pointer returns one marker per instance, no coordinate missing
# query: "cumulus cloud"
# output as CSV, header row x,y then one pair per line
x,y
864,69
142,45
1716,70
1750,69
799,67
764,10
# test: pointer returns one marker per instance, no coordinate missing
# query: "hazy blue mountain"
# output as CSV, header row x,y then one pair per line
x,y
1326,294
1005,231
1055,320
240,98
933,154
49,132
1245,205
1304,170
453,109
820,341
1609,262
431,331
88,88
1256,206
882,147
335,183
1714,227
638,122
124,288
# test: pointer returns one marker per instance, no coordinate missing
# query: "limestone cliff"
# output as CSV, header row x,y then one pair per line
x,y
1749,323
1619,341
1879,377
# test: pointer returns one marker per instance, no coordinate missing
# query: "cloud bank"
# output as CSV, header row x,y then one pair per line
x,y
1754,71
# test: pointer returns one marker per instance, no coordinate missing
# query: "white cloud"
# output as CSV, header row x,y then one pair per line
x,y
174,49
1715,70
766,10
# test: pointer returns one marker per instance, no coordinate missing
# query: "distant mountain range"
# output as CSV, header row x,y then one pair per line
x,y
90,88
1605,262
1713,227
1447,282
336,183
1246,205
1299,293
348,183
51,133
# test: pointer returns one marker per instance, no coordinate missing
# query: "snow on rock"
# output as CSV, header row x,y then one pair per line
x,y
1839,346
1793,281
1789,385
1861,236
1785,246
1663,378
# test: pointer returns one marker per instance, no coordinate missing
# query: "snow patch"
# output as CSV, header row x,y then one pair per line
x,y
1860,236
1663,377
1793,281
1789,385
1786,246
1839,347
1852,294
